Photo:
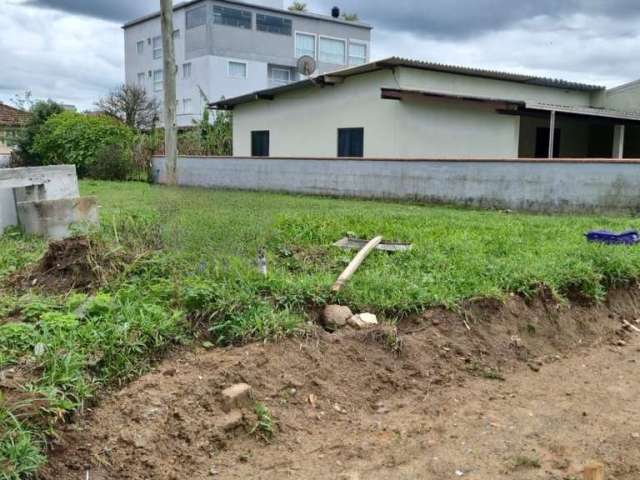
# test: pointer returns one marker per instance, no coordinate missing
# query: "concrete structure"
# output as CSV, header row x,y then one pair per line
x,y
11,119
225,48
398,108
43,200
53,218
537,185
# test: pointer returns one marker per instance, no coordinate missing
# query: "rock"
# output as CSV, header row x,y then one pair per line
x,y
334,317
171,372
635,436
362,321
231,421
236,396
621,343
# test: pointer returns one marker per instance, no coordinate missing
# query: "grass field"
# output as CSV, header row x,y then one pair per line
x,y
200,267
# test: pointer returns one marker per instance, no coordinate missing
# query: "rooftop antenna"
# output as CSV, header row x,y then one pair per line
x,y
306,65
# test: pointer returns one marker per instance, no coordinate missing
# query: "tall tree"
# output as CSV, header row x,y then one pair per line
x,y
132,105
170,127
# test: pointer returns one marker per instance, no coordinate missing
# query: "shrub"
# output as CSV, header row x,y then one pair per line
x,y
25,138
81,140
113,162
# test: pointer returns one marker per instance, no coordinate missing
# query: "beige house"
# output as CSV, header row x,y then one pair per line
x,y
11,119
398,108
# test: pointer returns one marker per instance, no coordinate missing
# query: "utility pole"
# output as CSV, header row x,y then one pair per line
x,y
170,127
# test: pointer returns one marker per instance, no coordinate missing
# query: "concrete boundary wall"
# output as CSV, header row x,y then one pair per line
x,y
58,182
577,185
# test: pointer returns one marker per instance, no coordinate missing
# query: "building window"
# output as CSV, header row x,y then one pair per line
x,y
176,34
268,23
280,76
196,17
186,105
186,70
140,47
332,51
305,45
357,53
158,80
232,17
141,79
237,70
157,47
350,142
260,143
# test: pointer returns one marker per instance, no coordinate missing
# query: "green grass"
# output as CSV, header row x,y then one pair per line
x,y
200,277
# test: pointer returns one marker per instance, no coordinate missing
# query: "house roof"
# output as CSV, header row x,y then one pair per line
x,y
12,117
585,111
314,16
408,63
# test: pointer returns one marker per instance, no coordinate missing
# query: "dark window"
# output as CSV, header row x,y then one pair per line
x,y
542,143
196,17
260,143
232,17
267,23
350,142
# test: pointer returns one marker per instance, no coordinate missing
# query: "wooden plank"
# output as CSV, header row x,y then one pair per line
x,y
594,471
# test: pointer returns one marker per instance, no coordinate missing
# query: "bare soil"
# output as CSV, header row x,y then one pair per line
x,y
78,263
521,390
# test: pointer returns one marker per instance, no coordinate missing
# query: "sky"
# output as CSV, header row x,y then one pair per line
x,y
72,50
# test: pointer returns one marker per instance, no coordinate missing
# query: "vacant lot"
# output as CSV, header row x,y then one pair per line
x,y
172,265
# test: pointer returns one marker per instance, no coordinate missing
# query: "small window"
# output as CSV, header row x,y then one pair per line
x,y
280,76
305,45
332,51
232,17
141,79
186,105
158,79
260,143
196,17
237,70
140,47
176,34
271,24
186,70
157,47
351,142
357,53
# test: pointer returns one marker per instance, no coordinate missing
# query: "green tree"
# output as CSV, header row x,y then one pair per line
x,y
40,111
298,7
85,141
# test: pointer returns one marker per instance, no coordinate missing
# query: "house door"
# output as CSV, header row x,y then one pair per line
x,y
542,142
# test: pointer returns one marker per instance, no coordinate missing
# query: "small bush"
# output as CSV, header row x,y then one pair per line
x,y
113,162
81,140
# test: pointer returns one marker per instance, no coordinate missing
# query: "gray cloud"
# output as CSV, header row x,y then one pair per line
x,y
72,50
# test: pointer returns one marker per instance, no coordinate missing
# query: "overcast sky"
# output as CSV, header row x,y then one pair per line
x,y
72,50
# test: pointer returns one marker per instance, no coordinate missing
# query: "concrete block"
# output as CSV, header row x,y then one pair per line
x,y
55,219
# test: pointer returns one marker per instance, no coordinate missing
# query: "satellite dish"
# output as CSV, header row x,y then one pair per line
x,y
306,65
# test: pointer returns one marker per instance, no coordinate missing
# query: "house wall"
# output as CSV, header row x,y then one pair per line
x,y
574,137
550,186
626,97
412,78
305,123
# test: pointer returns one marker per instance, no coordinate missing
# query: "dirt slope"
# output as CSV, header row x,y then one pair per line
x,y
522,391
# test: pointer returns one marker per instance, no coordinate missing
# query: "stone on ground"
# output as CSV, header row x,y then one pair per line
x,y
362,321
231,421
236,396
334,317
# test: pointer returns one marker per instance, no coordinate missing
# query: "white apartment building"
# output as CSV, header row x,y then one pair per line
x,y
227,48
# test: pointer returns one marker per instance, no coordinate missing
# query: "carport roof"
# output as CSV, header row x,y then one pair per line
x,y
392,62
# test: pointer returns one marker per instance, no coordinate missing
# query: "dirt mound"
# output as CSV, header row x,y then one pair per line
x,y
78,263
405,402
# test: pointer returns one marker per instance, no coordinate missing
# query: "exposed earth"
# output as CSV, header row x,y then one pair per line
x,y
525,390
